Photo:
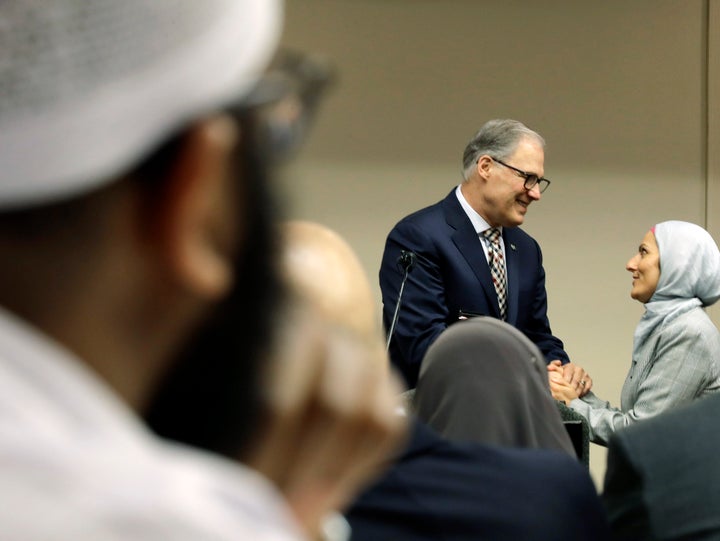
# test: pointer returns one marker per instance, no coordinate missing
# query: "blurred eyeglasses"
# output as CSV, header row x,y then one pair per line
x,y
284,101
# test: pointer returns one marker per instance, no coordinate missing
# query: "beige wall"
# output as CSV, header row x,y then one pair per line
x,y
713,123
618,88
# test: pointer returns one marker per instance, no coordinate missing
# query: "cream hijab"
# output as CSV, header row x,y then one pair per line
x,y
689,276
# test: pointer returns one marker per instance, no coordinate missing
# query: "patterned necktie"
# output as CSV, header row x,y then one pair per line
x,y
497,267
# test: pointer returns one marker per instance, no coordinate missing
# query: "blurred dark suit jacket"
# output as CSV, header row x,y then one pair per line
x,y
441,490
663,476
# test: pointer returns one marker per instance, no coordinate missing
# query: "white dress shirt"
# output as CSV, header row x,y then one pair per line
x,y
479,224
76,463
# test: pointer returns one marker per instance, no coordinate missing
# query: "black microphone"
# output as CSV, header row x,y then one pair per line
x,y
407,262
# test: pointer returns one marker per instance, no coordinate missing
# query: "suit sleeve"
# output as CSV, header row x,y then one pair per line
x,y
423,313
676,376
537,324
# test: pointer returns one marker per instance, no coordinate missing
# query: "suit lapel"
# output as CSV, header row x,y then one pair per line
x,y
467,242
512,268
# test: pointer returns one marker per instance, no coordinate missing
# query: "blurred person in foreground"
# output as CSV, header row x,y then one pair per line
x,y
472,257
483,380
662,481
138,248
676,347
436,488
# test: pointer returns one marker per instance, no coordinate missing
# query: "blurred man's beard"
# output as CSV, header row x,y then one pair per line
x,y
211,396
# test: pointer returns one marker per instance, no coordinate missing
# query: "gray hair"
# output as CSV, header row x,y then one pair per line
x,y
497,138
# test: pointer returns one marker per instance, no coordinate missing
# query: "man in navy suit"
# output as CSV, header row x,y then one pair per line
x,y
435,488
452,274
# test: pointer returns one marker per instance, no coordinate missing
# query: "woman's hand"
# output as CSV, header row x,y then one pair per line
x,y
574,375
560,388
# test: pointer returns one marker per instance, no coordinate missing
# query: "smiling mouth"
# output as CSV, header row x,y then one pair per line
x,y
522,203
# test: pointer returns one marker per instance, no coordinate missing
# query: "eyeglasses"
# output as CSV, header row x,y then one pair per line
x,y
284,101
531,179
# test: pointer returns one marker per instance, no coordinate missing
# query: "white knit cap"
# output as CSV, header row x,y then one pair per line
x,y
87,88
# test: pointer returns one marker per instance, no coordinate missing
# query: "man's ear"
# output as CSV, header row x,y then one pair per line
x,y
199,218
484,164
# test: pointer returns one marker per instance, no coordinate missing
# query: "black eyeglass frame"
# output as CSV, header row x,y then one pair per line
x,y
531,179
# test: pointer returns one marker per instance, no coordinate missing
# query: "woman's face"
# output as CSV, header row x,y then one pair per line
x,y
645,269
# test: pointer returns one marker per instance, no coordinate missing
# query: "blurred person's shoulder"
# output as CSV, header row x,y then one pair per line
x,y
74,459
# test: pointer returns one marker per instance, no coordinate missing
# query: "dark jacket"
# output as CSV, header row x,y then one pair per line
x,y
451,275
442,490
663,476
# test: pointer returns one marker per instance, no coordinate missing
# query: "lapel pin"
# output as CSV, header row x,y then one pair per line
x,y
512,247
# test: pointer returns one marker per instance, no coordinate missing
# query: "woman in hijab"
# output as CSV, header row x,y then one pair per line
x,y
676,348
483,380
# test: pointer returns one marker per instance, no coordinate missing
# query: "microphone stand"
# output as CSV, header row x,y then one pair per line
x,y
407,260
